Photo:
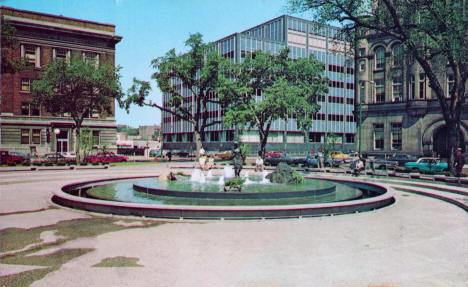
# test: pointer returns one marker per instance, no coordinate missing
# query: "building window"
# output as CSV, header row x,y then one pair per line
x,y
362,92
179,138
31,55
36,136
24,136
362,65
28,109
397,55
362,52
91,58
397,90
96,138
214,136
450,85
315,137
349,138
422,86
25,85
168,138
190,137
59,53
412,88
379,58
380,91
396,136
378,136
230,135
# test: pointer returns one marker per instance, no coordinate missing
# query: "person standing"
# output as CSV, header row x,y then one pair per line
x,y
238,161
259,162
320,158
459,162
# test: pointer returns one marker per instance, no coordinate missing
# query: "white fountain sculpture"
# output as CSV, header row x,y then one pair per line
x,y
209,175
264,179
228,172
198,176
221,180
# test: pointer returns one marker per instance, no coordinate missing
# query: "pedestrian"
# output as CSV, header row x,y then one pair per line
x,y
320,158
459,162
169,155
259,162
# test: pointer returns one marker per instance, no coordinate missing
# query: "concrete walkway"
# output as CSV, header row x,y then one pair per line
x,y
418,241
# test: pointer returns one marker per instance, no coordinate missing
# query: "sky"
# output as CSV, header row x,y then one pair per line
x,y
150,28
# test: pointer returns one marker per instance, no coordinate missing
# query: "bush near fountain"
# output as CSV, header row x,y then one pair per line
x,y
234,184
285,174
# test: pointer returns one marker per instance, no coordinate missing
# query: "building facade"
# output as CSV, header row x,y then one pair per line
x,y
40,38
304,38
399,111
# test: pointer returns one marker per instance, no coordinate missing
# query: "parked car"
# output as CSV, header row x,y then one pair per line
x,y
224,155
105,157
312,161
155,152
6,157
54,158
275,159
401,159
339,155
275,153
382,163
70,157
37,160
181,153
427,164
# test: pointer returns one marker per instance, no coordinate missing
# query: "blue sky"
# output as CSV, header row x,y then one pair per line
x,y
150,28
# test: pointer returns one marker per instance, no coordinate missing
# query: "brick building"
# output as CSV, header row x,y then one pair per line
x,y
39,38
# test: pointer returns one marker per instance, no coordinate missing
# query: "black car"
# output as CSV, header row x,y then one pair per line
x,y
276,159
401,159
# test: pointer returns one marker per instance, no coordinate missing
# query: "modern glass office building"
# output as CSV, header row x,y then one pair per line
x,y
304,38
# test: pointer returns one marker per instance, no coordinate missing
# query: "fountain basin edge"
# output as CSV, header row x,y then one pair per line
x,y
65,197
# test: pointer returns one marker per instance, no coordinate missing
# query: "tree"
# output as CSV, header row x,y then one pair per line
x,y
78,88
197,71
267,87
9,45
433,32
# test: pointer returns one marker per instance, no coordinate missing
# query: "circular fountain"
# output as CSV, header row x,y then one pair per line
x,y
202,196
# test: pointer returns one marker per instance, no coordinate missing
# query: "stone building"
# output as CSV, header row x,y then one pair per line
x,y
400,112
39,39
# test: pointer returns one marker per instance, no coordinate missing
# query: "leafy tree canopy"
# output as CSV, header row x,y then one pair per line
x,y
267,87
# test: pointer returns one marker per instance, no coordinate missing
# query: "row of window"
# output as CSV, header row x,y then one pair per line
x,y
32,55
316,137
379,57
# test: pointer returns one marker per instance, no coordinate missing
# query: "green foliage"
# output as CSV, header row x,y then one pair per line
x,y
86,142
235,183
244,150
287,87
297,177
78,88
198,70
119,261
10,63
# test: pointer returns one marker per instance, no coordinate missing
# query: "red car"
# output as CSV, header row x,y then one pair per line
x,y
6,157
275,154
106,157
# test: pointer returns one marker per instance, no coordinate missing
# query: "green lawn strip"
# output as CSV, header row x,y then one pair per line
x,y
18,238
119,261
134,163
53,261
26,278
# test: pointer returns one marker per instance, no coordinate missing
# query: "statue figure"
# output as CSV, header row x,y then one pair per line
x,y
237,159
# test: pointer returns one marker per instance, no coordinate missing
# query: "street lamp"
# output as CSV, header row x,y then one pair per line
x,y
56,132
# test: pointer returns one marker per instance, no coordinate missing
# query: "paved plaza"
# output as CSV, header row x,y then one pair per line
x,y
418,241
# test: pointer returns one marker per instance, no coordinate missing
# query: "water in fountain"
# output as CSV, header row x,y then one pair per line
x,y
209,175
198,176
221,180
228,171
264,179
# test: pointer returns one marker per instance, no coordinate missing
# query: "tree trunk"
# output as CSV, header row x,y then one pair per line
x,y
198,142
263,142
453,142
78,144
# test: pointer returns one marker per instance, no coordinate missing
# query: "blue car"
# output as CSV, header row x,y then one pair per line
x,y
427,164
